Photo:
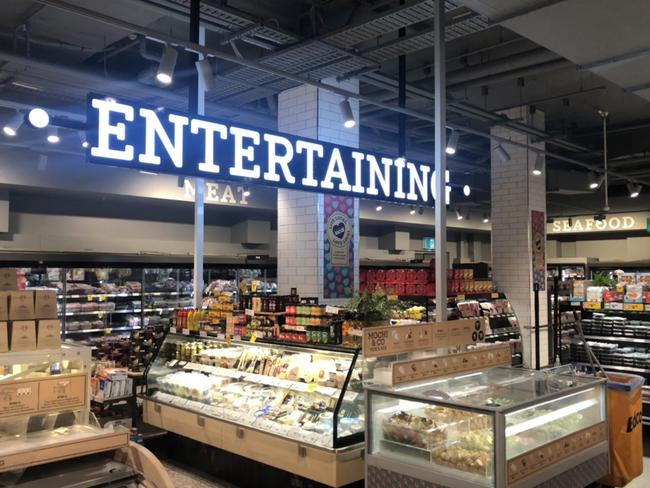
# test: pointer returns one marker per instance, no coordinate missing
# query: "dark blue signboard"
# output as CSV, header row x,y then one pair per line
x,y
132,135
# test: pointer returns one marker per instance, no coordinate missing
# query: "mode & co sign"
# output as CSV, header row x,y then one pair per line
x,y
127,134
612,223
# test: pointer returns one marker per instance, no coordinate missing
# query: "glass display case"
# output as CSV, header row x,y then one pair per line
x,y
493,428
310,395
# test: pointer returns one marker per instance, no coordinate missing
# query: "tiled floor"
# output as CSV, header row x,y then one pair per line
x,y
642,481
183,477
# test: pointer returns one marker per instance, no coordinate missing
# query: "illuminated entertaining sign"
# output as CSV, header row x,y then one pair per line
x,y
123,133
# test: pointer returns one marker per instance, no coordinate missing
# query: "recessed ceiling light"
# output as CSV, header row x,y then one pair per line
x,y
38,118
53,135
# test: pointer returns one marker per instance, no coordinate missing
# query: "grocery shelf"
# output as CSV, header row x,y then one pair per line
x,y
109,329
164,309
165,293
629,369
31,357
112,399
102,295
618,339
101,312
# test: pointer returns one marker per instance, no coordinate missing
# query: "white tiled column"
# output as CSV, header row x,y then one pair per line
x,y
515,193
314,113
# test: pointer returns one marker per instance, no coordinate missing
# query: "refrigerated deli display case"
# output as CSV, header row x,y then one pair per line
x,y
496,428
294,407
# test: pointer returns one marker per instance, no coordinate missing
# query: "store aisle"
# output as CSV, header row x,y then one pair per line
x,y
185,477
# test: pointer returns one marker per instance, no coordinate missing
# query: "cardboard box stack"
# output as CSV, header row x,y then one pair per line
x,y
28,319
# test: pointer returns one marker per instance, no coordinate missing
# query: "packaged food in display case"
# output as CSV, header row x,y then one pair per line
x,y
493,428
302,393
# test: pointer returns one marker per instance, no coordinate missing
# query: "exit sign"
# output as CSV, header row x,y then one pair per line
x,y
647,228
429,243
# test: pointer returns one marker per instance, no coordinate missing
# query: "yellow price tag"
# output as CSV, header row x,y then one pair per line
x,y
89,298
393,297
591,305
254,337
102,298
228,339
495,295
311,387
100,315
253,287
108,331
633,307
460,297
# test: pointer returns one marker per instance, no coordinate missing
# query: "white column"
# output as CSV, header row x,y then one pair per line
x,y
313,113
199,200
516,192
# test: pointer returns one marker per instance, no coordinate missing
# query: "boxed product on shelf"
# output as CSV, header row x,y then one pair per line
x,y
634,294
4,305
21,305
111,383
45,306
627,278
49,334
4,337
23,335
8,279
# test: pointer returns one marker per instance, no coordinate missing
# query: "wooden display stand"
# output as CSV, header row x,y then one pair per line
x,y
331,467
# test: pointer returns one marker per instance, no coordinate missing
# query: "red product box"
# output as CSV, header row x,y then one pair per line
x,y
612,296
422,276
421,290
410,289
363,274
390,276
400,275
400,289
362,288
450,274
371,276
380,275
431,290
646,296
411,275
390,289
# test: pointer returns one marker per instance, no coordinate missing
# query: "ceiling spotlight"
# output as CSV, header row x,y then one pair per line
x,y
459,215
346,113
412,211
38,118
167,65
378,208
501,153
452,144
204,68
247,193
82,138
595,180
539,165
13,124
420,210
486,218
467,191
634,189
53,135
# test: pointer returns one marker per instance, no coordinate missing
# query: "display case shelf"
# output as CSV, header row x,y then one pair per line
x,y
617,339
102,295
101,312
107,330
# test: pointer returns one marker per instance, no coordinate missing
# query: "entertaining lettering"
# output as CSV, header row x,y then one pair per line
x,y
126,134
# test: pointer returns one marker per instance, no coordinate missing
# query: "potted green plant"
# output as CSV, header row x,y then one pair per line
x,y
372,308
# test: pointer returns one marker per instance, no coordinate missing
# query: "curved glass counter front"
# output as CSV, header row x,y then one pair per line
x,y
312,395
472,428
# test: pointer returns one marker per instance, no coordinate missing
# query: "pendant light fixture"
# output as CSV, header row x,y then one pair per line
x,y
634,189
346,113
13,124
595,180
539,165
204,69
459,215
502,154
53,135
167,64
452,144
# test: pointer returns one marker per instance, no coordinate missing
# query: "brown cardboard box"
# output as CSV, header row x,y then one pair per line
x,y
4,337
49,334
23,335
8,279
4,305
21,305
45,304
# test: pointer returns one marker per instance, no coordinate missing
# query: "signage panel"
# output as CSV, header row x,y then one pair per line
x,y
429,243
132,135
612,223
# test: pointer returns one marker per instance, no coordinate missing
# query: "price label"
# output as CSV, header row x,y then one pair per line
x,y
89,298
102,298
203,333
186,331
253,337
237,337
591,305
311,387
633,307
330,309
249,312
108,331
221,336
647,308
460,297
575,304
495,295
172,330
393,297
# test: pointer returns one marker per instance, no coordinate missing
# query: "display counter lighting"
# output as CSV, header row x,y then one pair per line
x,y
549,417
38,118
13,124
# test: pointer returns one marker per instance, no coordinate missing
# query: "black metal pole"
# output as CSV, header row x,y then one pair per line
x,y
195,19
536,292
401,98
557,323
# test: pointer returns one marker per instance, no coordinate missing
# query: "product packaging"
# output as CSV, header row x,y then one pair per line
x,y
21,305
4,337
4,305
49,334
634,294
23,335
8,279
45,304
